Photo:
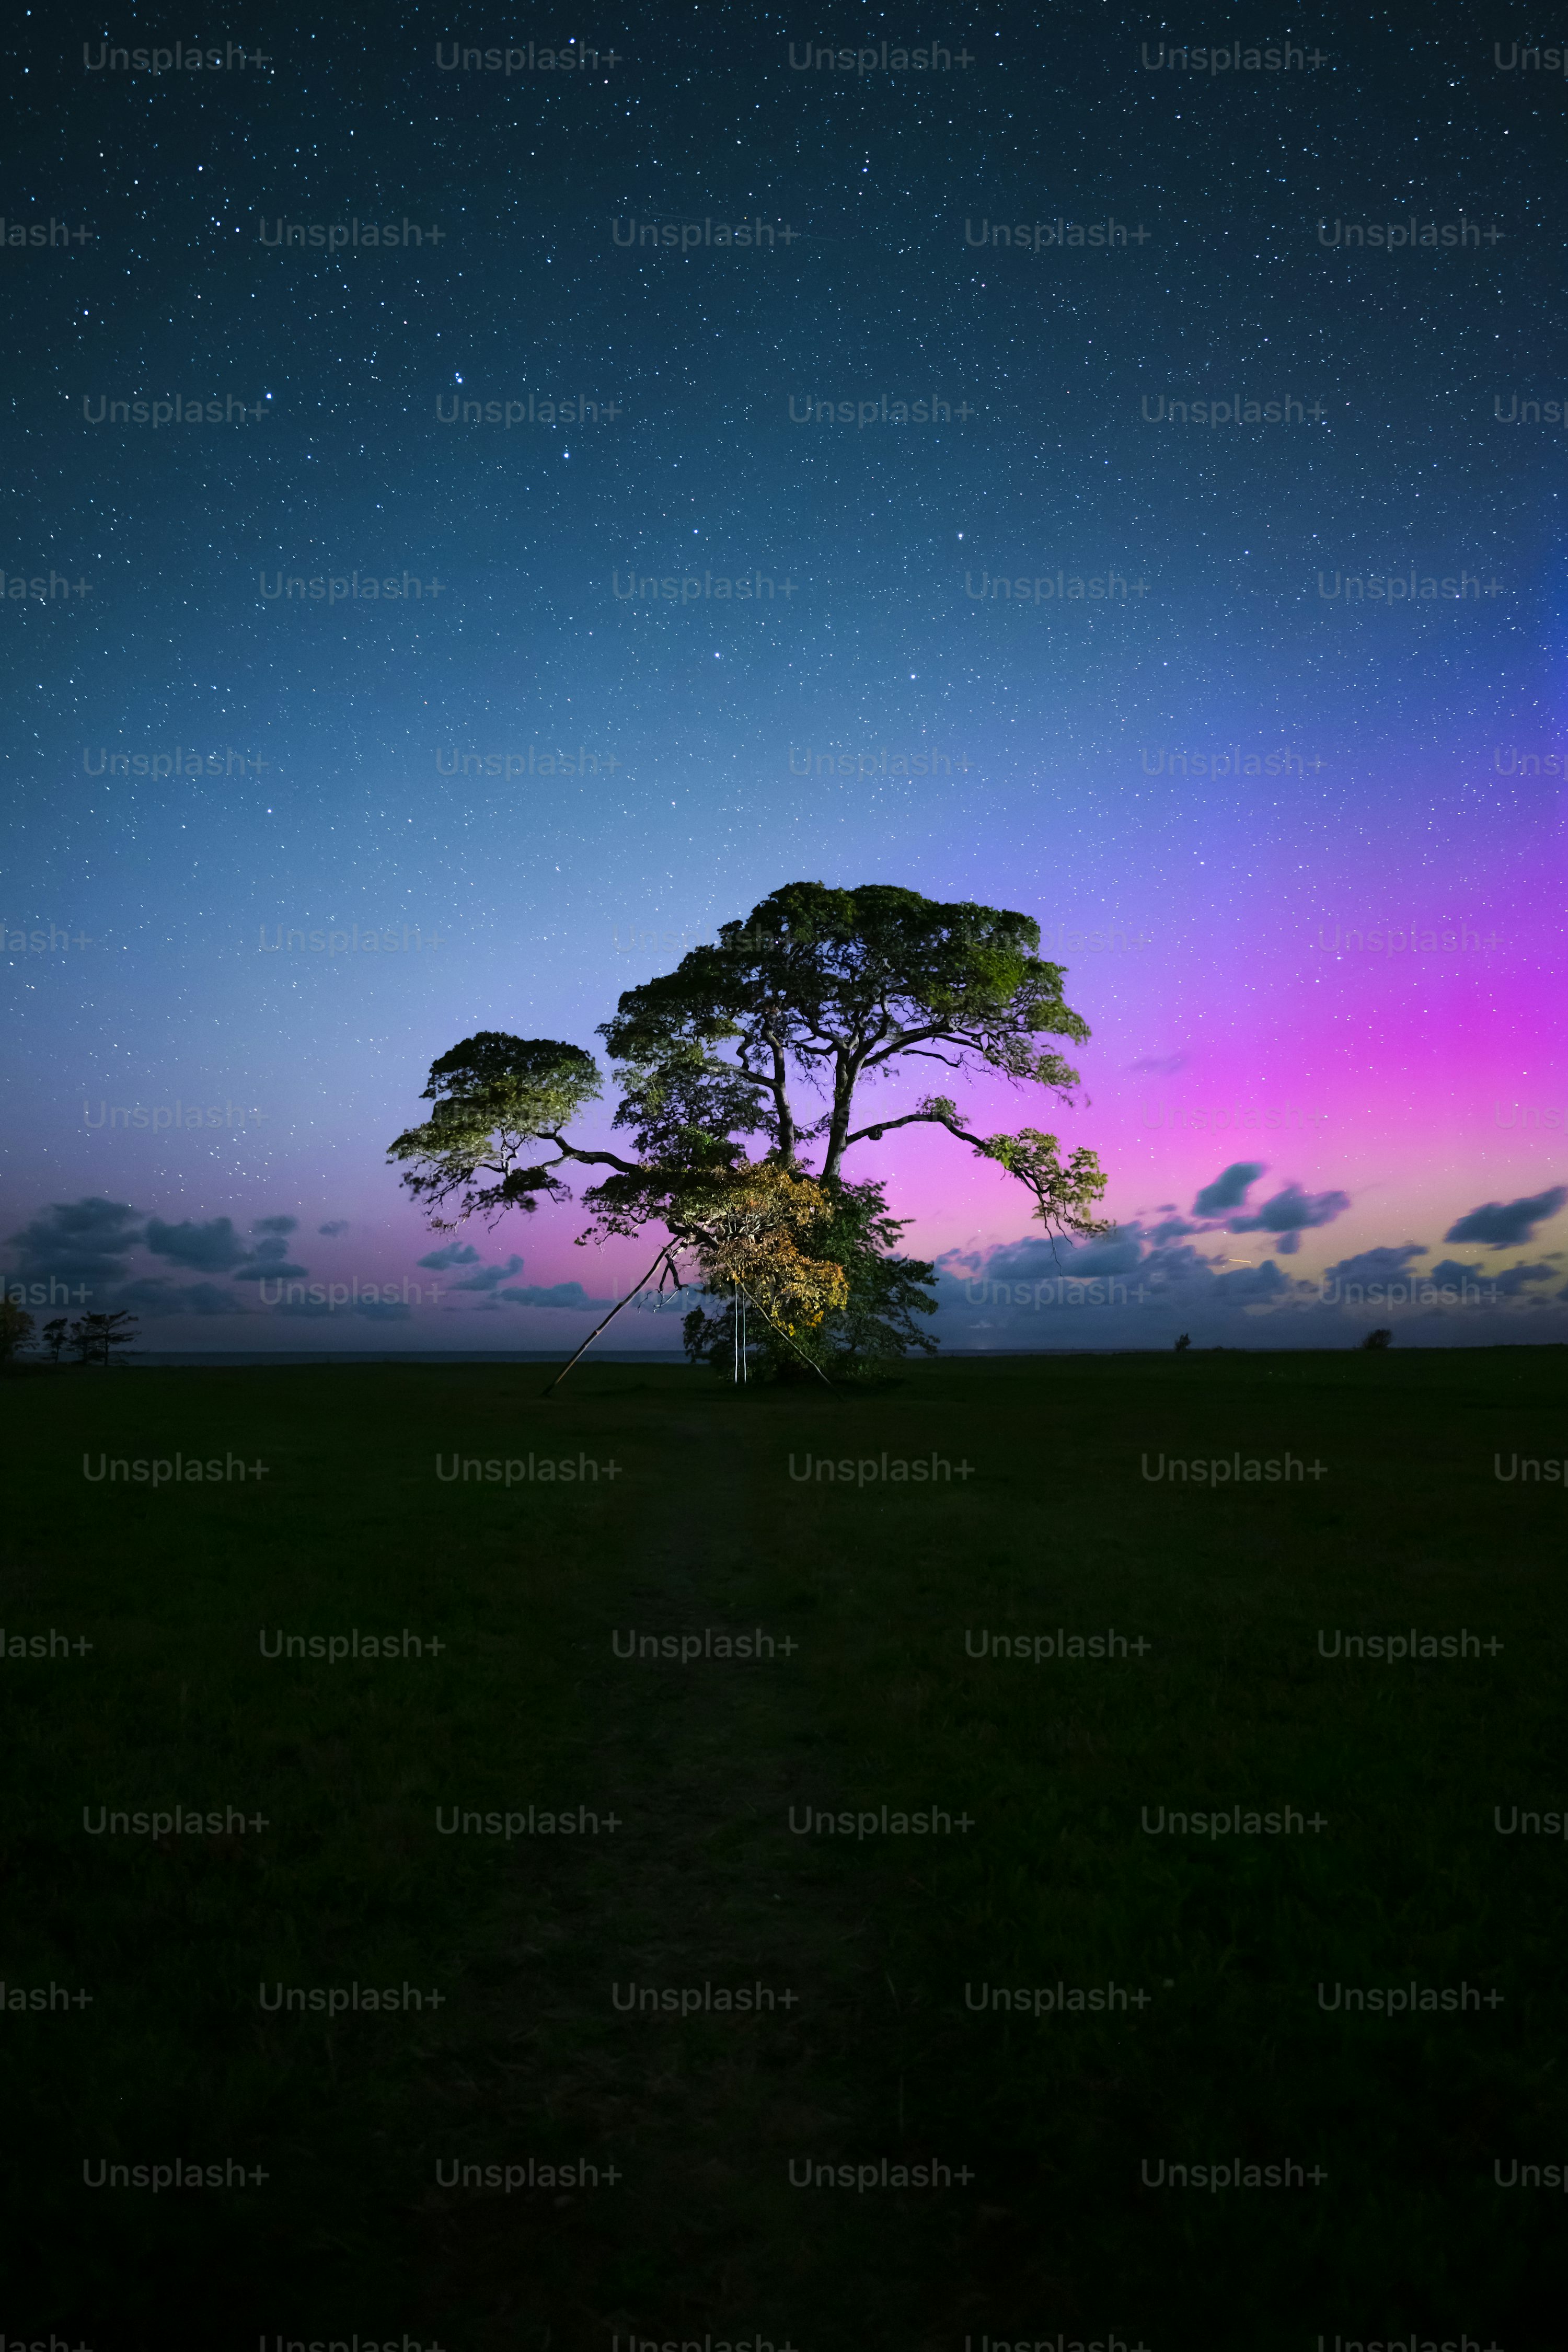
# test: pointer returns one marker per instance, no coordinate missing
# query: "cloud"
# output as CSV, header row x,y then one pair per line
x,y
1133,1290
338,1225
269,1262
1452,1271
1472,1282
1503,1225
85,1243
489,1281
156,1296
1290,1213
1161,1066
1036,1258
1385,1264
1137,1287
1250,1285
1510,1284
570,1294
488,1277
1172,1228
1230,1188
206,1249
1114,1291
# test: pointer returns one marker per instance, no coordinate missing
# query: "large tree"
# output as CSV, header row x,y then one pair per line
x,y
818,995
777,1032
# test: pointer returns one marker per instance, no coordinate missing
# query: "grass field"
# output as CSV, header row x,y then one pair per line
x,y
1053,1860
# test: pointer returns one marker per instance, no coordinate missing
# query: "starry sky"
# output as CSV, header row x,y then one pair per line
x,y
1148,468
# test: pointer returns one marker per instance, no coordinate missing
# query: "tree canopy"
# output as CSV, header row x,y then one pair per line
x,y
777,1032
819,993
496,1098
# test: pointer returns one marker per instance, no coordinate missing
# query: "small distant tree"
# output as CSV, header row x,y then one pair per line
x,y
79,1339
118,1331
54,1336
15,1329
1184,1341
1383,1338
97,1335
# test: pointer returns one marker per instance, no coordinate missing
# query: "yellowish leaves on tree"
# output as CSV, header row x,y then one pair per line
x,y
753,1225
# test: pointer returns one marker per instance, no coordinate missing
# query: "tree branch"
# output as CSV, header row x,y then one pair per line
x,y
948,1118
596,1159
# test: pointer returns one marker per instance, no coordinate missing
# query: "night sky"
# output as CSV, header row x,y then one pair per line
x,y
1220,696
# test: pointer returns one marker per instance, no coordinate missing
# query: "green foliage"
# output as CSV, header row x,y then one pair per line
x,y
1064,1197
496,1098
15,1329
831,988
862,1340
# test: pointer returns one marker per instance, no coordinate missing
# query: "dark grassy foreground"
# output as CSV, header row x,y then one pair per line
x,y
702,2233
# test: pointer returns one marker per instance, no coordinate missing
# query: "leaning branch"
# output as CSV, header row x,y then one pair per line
x,y
954,1126
596,1159
663,1258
